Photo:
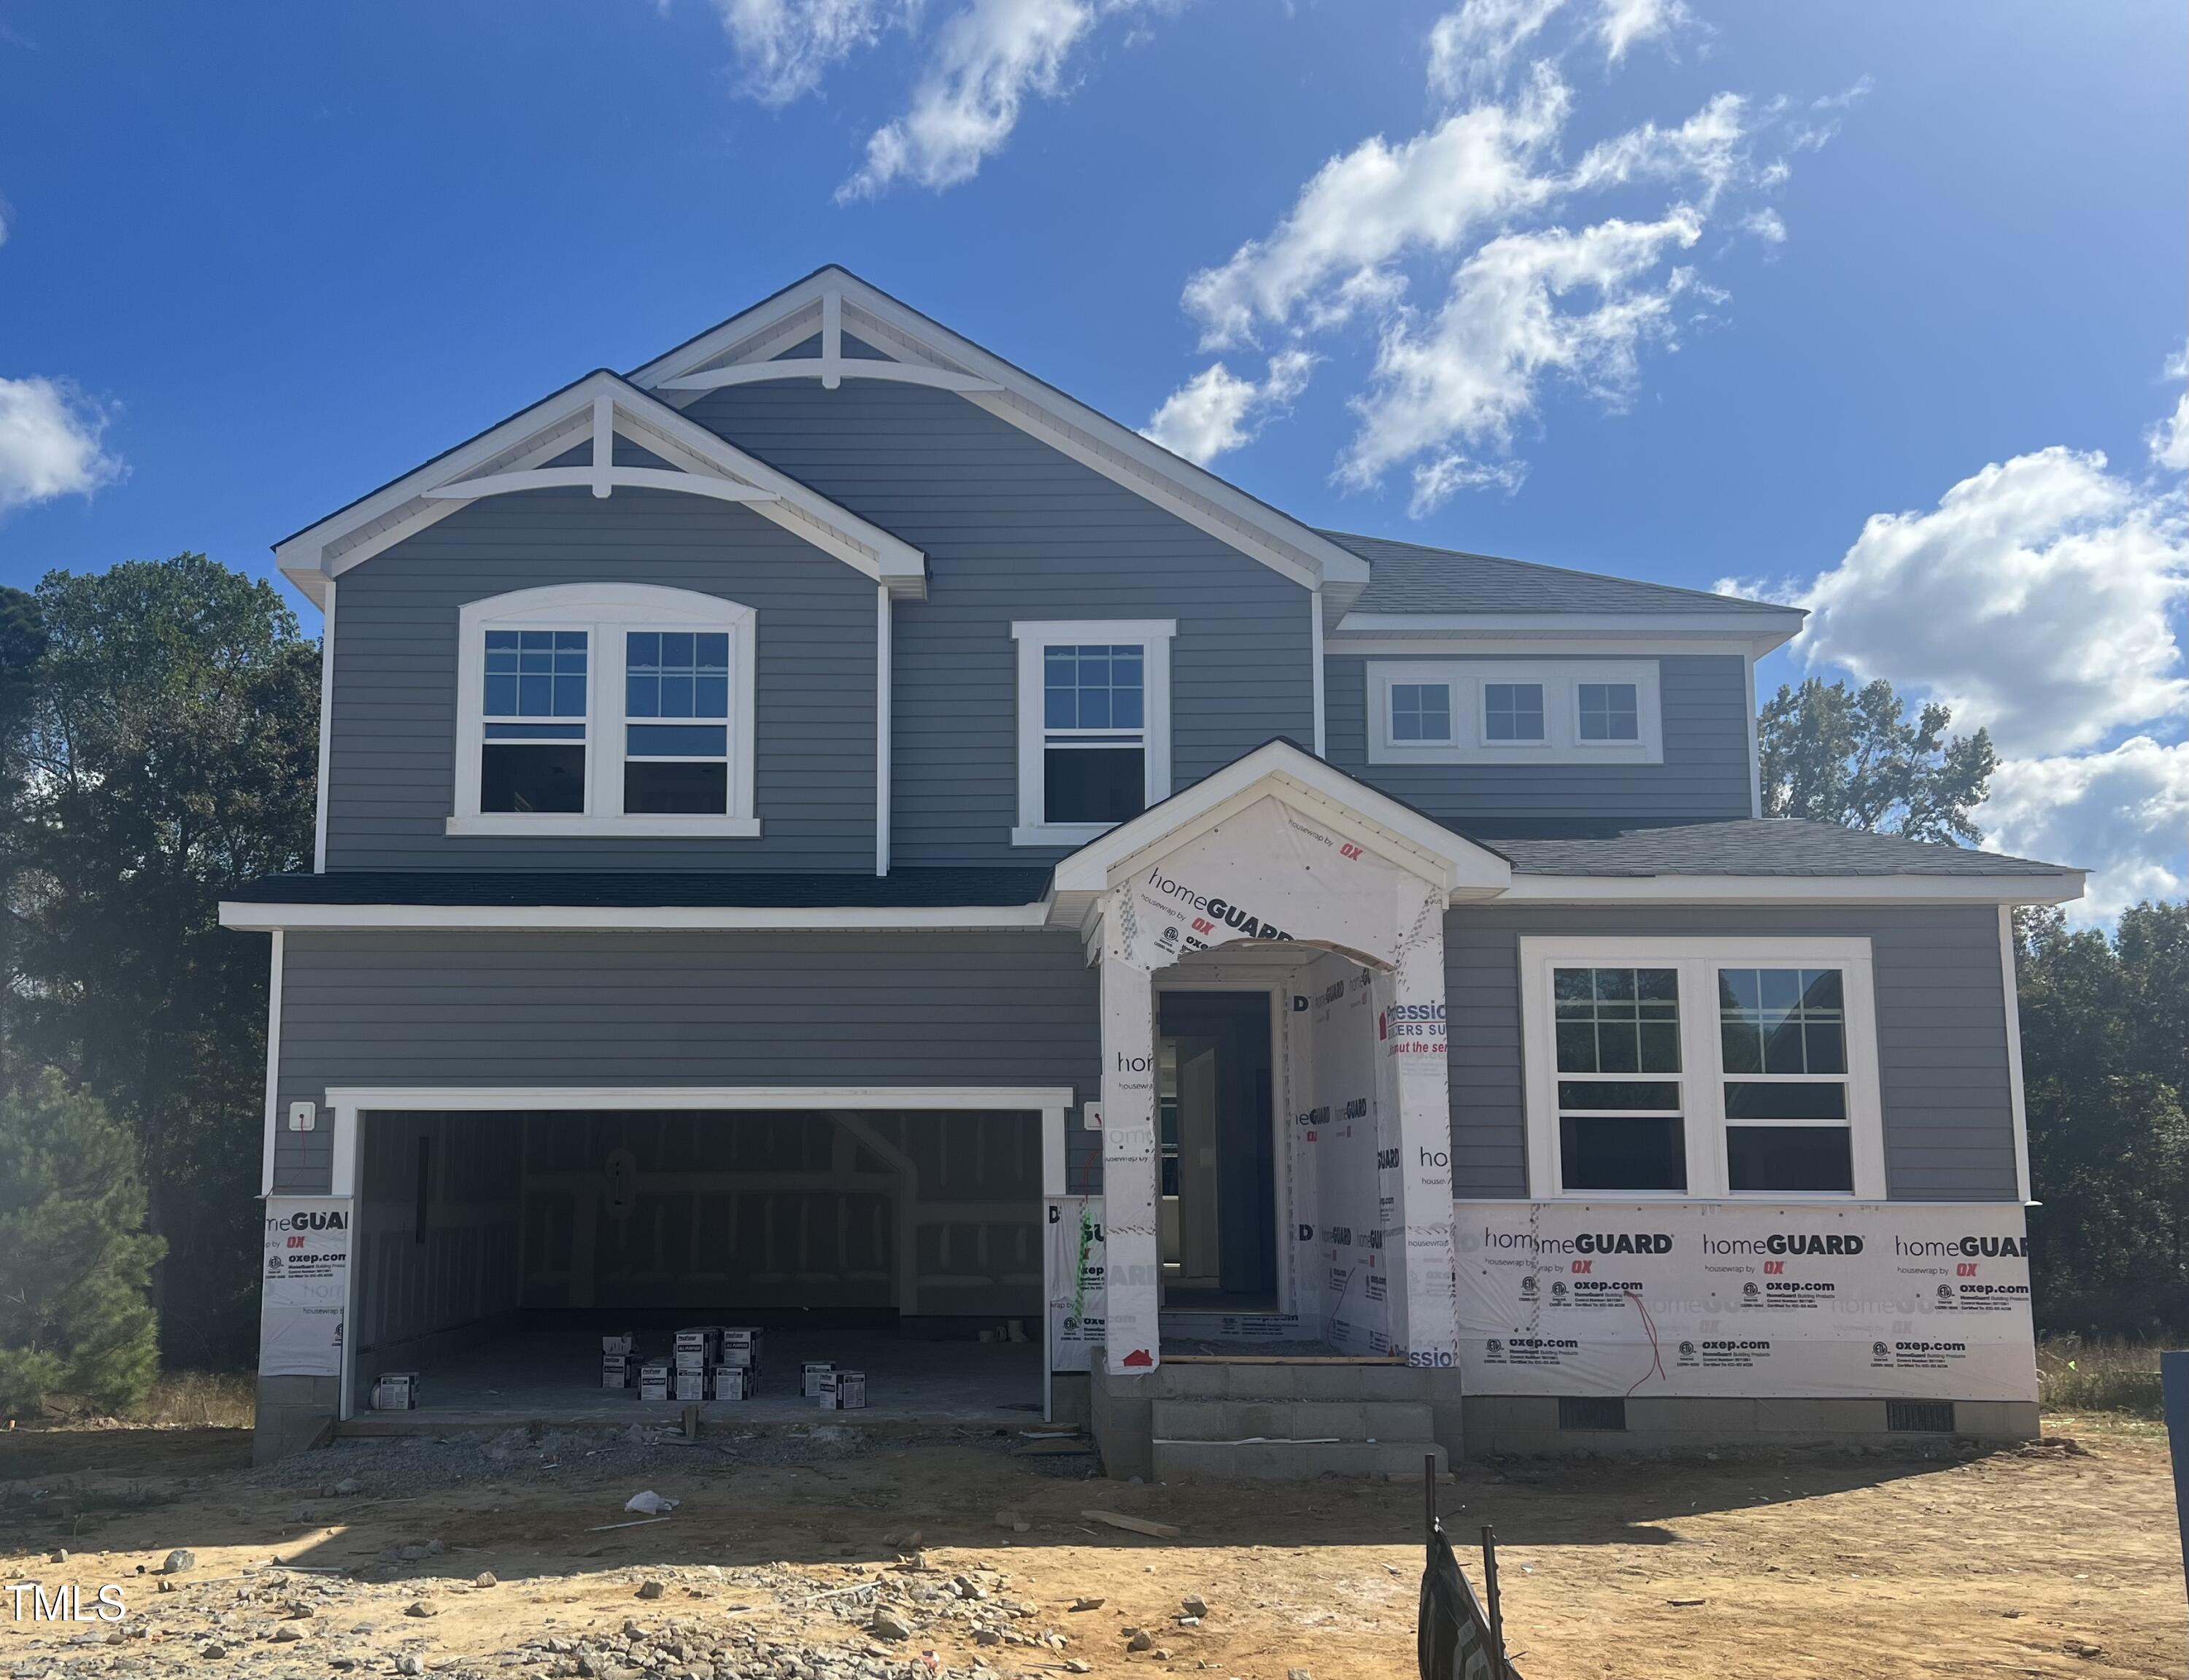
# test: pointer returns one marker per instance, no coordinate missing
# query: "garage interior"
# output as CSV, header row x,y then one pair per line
x,y
494,1250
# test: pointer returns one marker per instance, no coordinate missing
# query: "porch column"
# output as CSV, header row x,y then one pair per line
x,y
1424,1318
1128,1161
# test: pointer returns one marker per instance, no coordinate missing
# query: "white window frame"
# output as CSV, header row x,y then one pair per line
x,y
607,612
1560,678
1703,1075
1034,638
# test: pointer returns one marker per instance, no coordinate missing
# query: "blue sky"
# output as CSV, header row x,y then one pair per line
x,y
1684,292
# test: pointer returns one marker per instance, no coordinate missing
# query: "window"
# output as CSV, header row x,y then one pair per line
x,y
1783,1047
680,766
1093,727
528,763
1618,1029
1609,712
1701,1067
1421,712
1507,710
605,708
1512,711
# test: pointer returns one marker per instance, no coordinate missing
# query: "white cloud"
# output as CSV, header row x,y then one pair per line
x,y
1216,411
1378,203
1624,23
786,46
2122,815
1471,50
1525,279
2037,599
1473,370
986,60
49,443
2170,438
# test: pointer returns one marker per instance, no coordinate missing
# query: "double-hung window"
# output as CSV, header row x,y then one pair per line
x,y
1094,726
1703,1068
537,699
605,708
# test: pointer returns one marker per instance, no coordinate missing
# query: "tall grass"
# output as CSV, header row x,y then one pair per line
x,y
2076,1373
201,1400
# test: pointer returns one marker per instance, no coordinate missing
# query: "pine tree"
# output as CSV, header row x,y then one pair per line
x,y
74,1260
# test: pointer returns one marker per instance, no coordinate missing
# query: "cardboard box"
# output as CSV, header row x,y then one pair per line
x,y
395,1391
698,1339
619,1373
654,1380
809,1387
827,1391
688,1386
623,1342
851,1390
733,1382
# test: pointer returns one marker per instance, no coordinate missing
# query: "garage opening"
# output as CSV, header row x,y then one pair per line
x,y
495,1251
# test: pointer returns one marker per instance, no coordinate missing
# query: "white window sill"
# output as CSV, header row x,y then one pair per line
x,y
1058,833
547,825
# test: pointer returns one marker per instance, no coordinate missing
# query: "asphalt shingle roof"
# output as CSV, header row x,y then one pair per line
x,y
1408,577
1771,846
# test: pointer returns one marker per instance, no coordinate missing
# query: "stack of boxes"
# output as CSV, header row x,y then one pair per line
x,y
837,1390
694,1353
395,1391
619,1360
737,1363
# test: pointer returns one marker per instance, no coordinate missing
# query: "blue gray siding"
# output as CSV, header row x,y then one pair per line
x,y
392,758
1704,776
1013,530
681,1009
1941,1035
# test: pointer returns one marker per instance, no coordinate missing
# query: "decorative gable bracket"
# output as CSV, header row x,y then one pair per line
x,y
831,367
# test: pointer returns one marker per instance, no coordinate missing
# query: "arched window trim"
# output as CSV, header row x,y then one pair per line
x,y
606,612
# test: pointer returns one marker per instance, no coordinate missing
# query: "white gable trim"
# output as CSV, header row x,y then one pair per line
x,y
929,353
511,457
1457,866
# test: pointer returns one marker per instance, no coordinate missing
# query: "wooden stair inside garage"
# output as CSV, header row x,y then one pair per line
x,y
1282,1421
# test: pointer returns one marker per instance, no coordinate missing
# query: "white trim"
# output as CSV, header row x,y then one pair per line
x,y
2017,1097
1785,890
525,443
1457,645
1116,452
831,367
1702,1078
273,1067
618,919
1561,742
1153,637
326,729
682,1098
1755,743
1761,631
1316,655
607,612
885,700
1456,865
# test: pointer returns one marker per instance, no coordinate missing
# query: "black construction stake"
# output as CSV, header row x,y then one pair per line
x,y
1489,1592
1428,1494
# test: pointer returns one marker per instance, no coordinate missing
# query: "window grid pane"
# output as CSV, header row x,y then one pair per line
x,y
534,674
1782,1020
1512,711
1421,712
1619,1133
1609,712
677,674
1095,687
1617,1020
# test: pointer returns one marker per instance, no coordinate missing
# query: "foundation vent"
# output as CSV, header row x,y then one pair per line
x,y
1591,1412
1921,1416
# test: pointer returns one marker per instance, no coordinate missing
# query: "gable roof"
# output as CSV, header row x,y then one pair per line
x,y
587,416
915,349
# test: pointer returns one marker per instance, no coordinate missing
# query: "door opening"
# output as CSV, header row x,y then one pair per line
x,y
1218,1207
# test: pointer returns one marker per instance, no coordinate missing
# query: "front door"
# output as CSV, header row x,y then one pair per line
x,y
1218,1186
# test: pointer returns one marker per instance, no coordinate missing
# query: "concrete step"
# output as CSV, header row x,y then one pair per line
x,y
1354,1420
1230,1380
1290,1461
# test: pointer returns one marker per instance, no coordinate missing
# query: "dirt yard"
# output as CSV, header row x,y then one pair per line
x,y
831,1555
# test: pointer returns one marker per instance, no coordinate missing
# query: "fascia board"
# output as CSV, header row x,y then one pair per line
x,y
1795,889
1761,631
623,919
